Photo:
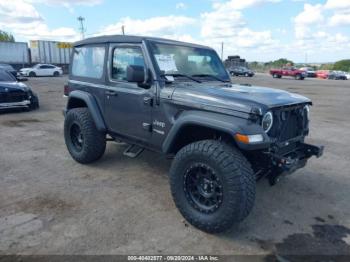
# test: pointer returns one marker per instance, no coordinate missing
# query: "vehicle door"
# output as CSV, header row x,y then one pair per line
x,y
42,70
49,70
128,106
285,71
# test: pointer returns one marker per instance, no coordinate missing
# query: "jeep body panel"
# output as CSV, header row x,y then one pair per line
x,y
238,98
153,116
75,100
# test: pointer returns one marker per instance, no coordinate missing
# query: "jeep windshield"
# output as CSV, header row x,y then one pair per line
x,y
188,62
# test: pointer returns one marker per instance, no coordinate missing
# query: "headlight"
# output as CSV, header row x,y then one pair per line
x,y
267,122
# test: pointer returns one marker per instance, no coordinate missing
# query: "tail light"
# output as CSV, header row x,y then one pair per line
x,y
66,90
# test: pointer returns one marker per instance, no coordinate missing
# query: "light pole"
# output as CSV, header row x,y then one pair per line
x,y
82,28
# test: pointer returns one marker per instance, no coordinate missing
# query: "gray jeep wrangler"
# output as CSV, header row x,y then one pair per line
x,y
177,99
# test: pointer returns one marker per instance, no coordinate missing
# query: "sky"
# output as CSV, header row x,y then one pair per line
x,y
258,30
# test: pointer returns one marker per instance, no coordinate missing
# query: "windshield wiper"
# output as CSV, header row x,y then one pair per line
x,y
212,76
183,75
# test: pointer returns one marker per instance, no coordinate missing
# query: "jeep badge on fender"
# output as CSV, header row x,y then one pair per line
x,y
177,99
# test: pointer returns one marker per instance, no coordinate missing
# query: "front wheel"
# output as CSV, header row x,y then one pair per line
x,y
84,142
212,185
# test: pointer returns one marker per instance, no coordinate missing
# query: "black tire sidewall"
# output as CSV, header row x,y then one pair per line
x,y
238,198
180,193
94,143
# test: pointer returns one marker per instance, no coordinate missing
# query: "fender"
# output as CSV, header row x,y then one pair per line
x,y
91,104
223,123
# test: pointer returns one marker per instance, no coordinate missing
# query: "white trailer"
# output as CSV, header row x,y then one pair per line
x,y
14,53
50,52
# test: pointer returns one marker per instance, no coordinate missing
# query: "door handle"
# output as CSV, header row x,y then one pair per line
x,y
111,93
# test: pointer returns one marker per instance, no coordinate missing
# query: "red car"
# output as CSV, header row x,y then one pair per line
x,y
288,71
322,74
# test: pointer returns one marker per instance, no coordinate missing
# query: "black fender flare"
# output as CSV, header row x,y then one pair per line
x,y
91,104
230,125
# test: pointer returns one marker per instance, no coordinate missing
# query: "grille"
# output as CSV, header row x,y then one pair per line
x,y
14,96
289,123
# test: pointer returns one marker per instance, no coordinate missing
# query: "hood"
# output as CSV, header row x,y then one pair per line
x,y
11,86
25,69
236,97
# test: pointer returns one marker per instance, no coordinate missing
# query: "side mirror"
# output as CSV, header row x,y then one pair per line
x,y
135,74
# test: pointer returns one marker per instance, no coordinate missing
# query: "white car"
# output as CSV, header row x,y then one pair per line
x,y
41,70
347,74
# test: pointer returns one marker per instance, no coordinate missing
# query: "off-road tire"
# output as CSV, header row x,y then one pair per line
x,y
238,183
94,142
32,74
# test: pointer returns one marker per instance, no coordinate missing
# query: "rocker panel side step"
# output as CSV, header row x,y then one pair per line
x,y
133,151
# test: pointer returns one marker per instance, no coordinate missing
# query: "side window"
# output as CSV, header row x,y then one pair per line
x,y
88,61
43,67
122,58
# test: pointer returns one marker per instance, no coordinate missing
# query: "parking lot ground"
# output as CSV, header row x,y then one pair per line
x,y
49,204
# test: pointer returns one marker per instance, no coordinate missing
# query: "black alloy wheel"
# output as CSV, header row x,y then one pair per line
x,y
203,188
77,137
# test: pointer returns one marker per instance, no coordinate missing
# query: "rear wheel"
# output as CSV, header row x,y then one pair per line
x,y
56,74
84,142
212,185
32,74
299,77
276,76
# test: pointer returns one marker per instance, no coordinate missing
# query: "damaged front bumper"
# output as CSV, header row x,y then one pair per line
x,y
297,158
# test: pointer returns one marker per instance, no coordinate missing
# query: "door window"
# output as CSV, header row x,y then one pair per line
x,y
124,57
88,61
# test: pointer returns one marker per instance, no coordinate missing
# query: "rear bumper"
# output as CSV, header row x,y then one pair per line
x,y
296,159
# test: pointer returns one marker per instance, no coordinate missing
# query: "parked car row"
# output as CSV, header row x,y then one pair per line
x,y
335,75
36,70
302,73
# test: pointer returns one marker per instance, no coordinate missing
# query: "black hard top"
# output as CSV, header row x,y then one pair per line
x,y
130,39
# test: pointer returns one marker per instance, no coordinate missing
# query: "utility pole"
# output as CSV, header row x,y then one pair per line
x,y
82,28
306,58
222,51
123,29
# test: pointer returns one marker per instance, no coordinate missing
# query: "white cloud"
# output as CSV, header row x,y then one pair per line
x,y
226,23
337,4
155,26
181,5
21,18
311,14
239,4
18,11
67,2
339,20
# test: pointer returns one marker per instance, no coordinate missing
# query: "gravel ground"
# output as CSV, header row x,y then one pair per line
x,y
51,205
